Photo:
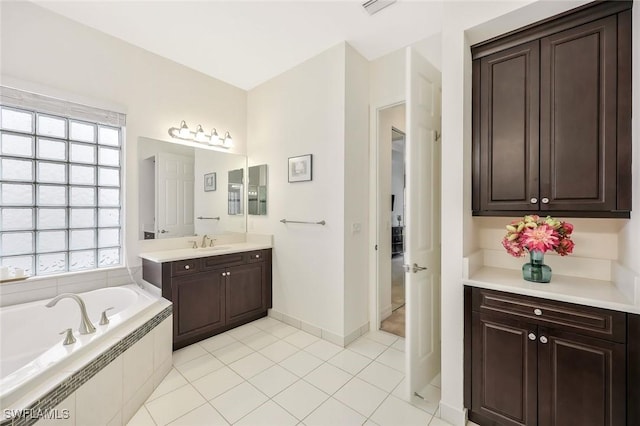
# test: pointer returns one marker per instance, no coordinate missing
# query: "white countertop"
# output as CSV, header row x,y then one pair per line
x,y
583,291
191,253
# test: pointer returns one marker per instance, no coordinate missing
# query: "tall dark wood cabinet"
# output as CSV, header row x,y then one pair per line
x,y
213,294
532,361
552,117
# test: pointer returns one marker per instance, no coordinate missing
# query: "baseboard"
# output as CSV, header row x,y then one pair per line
x,y
319,332
386,312
453,415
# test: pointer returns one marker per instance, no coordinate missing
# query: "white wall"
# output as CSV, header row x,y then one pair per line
x,y
302,111
46,53
356,193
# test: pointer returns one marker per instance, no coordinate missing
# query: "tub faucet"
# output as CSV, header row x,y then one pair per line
x,y
86,327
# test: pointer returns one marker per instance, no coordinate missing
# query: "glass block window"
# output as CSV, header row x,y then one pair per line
x,y
60,195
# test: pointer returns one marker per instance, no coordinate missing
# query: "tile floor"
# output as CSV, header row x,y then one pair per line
x,y
269,373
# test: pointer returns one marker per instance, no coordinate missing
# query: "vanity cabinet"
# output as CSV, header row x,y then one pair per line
x,y
532,361
552,117
213,294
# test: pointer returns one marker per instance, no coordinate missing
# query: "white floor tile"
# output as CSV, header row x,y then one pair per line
x,y
279,351
281,330
188,353
141,418
199,367
172,381
399,345
430,399
328,378
367,347
400,390
386,378
350,361
323,349
268,414
436,421
238,402
243,331
205,415
392,358
259,340
265,323
361,396
214,343
251,365
333,412
217,383
273,380
370,423
232,352
300,399
301,363
394,412
383,337
174,404
301,339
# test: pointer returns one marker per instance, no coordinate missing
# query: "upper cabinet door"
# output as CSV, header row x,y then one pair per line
x,y
578,85
507,110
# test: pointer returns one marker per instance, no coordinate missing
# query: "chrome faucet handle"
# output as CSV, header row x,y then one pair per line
x,y
193,244
211,242
69,339
103,318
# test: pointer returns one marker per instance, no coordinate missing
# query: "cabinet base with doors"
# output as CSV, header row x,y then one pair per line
x,y
552,116
213,294
532,361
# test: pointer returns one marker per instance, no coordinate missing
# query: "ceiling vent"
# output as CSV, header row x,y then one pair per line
x,y
375,6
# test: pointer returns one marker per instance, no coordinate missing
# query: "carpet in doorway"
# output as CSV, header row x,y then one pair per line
x,y
394,323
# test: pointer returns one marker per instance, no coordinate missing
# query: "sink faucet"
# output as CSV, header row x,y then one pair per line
x,y
86,327
204,240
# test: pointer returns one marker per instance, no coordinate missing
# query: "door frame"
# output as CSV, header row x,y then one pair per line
x,y
374,208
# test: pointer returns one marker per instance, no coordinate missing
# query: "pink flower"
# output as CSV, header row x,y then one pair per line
x,y
543,238
567,228
565,247
513,247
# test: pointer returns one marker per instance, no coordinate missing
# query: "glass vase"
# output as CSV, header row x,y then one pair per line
x,y
535,270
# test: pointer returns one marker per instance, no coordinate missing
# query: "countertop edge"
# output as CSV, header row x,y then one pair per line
x,y
541,293
165,256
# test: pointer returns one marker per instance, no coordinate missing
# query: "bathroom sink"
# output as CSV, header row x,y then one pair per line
x,y
214,248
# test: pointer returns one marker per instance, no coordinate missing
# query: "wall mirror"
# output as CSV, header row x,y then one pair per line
x,y
236,192
257,190
184,190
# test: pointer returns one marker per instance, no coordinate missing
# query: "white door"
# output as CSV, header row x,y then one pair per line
x,y
174,194
422,256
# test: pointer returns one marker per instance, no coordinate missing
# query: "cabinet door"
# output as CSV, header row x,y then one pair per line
x,y
504,371
581,381
506,163
578,119
198,304
246,296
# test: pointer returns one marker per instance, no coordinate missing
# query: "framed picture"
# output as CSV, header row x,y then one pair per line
x,y
209,182
300,168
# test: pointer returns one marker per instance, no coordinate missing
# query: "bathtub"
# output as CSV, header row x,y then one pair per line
x,y
32,356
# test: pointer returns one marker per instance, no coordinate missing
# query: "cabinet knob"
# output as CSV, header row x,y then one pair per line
x,y
545,200
534,200
537,311
224,274
543,339
228,273
257,256
532,336
186,266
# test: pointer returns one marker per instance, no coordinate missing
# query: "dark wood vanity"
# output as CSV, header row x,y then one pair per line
x,y
213,294
534,361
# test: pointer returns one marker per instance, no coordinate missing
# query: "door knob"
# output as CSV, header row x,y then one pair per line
x,y
415,268
532,336
543,339
162,231
534,200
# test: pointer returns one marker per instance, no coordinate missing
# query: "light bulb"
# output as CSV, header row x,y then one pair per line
x,y
184,132
215,139
227,140
200,136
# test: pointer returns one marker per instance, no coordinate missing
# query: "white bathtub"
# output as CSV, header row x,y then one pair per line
x,y
31,349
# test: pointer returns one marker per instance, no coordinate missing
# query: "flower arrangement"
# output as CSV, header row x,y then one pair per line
x,y
535,233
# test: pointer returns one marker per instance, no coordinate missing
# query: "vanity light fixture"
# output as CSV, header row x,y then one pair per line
x,y
184,133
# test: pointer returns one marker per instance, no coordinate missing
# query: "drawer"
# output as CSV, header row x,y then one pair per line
x,y
256,256
586,320
185,267
222,261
